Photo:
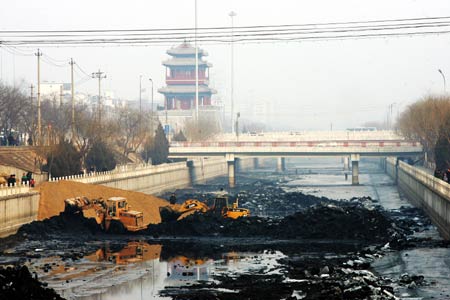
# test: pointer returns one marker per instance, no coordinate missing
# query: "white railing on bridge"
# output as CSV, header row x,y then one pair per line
x,y
311,136
338,144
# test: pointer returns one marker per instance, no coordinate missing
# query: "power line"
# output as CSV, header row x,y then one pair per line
x,y
288,32
228,28
273,30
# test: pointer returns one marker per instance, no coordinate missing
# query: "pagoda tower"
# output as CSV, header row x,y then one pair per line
x,y
179,94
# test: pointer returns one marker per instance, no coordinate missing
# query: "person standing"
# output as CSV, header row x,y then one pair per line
x,y
12,180
24,179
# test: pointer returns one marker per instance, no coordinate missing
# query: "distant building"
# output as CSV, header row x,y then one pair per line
x,y
54,90
179,92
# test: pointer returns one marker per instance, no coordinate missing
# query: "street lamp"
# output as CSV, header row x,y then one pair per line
x,y
196,65
151,114
232,14
443,77
237,125
140,94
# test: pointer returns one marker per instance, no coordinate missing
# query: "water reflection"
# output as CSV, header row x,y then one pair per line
x,y
131,253
181,269
139,270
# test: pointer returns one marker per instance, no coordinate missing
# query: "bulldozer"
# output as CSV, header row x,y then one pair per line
x,y
221,207
113,215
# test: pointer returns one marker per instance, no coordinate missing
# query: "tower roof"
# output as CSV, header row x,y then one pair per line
x,y
184,61
186,49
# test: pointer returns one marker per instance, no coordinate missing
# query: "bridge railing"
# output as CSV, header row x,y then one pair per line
x,y
346,143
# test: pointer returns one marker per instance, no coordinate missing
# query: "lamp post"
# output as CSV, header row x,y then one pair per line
x,y
232,14
196,65
237,125
443,77
140,94
151,113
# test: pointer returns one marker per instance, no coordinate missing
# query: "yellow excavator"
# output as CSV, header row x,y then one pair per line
x,y
221,208
114,215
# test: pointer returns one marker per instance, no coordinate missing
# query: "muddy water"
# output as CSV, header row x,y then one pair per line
x,y
138,271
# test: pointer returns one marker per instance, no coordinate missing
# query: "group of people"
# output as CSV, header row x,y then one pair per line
x,y
444,175
26,179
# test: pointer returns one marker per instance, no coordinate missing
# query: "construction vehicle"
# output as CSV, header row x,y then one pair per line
x,y
221,208
113,215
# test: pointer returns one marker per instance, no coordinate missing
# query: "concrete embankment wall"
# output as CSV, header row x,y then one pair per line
x,y
16,210
423,190
156,179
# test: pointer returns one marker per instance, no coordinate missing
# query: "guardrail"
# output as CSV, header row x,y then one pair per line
x,y
121,172
16,189
341,143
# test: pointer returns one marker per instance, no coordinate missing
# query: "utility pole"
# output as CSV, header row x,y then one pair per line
x,y
32,110
100,76
196,65
39,136
60,96
72,98
232,15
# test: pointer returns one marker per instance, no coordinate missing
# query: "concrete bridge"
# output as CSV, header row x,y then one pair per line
x,y
350,146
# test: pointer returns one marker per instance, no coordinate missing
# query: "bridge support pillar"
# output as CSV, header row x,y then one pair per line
x,y
255,163
191,171
238,165
346,163
281,164
231,170
355,168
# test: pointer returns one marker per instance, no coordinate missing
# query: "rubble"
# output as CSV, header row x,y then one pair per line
x,y
18,283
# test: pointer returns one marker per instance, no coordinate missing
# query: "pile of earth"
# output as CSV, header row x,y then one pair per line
x,y
339,221
262,197
76,225
18,283
53,194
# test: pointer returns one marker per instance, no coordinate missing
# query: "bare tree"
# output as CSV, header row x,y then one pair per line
x,y
427,120
205,128
15,109
134,130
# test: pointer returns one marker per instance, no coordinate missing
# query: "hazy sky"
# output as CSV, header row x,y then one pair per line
x,y
311,84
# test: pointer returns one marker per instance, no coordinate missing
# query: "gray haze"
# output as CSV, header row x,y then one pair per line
x,y
309,84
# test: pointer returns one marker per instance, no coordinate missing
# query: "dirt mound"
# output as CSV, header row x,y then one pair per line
x,y
344,221
73,224
17,283
54,193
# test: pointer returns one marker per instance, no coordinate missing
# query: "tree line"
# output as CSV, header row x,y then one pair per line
x,y
428,121
90,143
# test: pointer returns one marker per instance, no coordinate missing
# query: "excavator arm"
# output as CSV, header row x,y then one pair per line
x,y
175,212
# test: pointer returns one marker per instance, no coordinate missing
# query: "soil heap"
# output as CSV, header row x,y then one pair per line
x,y
54,193
340,221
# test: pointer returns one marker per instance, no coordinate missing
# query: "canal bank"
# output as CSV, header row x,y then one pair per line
x,y
312,266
